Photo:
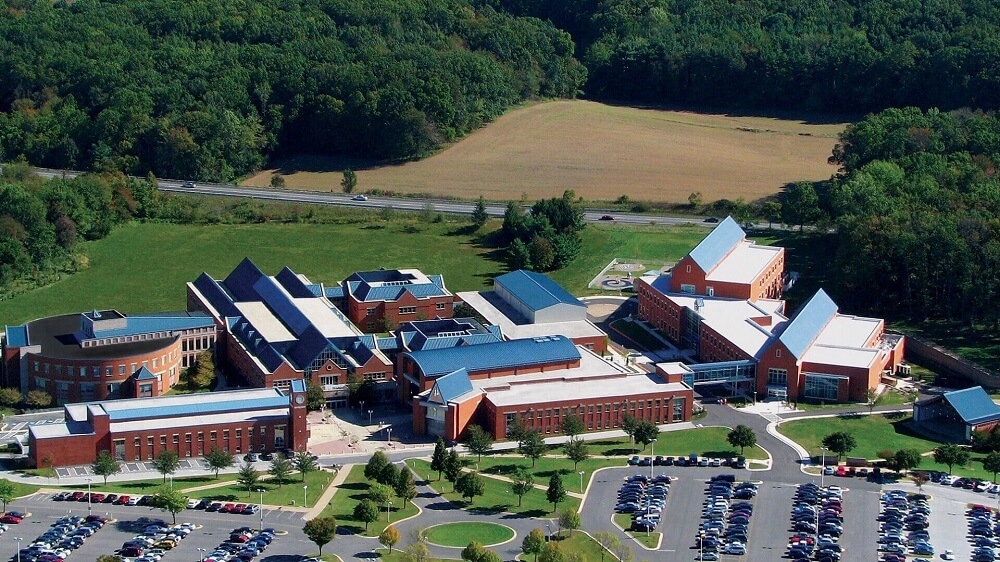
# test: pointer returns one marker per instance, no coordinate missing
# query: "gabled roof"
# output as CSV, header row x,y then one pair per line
x,y
807,323
506,354
450,387
717,245
391,284
17,336
535,290
973,405
144,374
293,284
240,282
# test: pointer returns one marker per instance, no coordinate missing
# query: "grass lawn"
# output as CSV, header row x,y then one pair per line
x,y
24,489
461,534
151,485
290,490
544,468
705,441
889,398
649,540
873,434
399,556
979,343
580,542
350,493
497,497
637,334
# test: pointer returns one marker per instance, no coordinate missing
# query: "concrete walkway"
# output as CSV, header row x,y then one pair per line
x,y
328,493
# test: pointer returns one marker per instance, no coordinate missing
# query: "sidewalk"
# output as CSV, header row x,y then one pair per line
x,y
331,489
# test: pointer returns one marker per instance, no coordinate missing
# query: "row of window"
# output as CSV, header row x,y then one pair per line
x,y
548,420
196,344
279,441
83,371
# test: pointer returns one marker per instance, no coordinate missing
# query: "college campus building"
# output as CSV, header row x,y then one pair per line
x,y
742,337
238,421
726,264
540,380
525,304
378,301
436,334
280,329
955,415
104,354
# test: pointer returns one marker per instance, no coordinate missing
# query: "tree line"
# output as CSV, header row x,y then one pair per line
x,y
209,89
832,56
916,209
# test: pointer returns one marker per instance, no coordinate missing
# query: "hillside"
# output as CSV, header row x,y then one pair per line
x,y
600,151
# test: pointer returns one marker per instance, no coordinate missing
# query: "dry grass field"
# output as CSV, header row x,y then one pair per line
x,y
600,151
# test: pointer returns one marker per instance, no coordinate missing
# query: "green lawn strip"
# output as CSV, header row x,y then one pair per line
x,y
544,468
580,542
460,534
888,398
151,485
350,493
704,441
24,489
649,540
637,334
873,434
274,494
497,497
399,556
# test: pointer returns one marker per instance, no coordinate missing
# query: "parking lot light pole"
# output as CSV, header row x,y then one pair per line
x,y
261,506
305,496
203,551
548,533
89,504
652,445
18,540
388,504
822,465
370,416
581,481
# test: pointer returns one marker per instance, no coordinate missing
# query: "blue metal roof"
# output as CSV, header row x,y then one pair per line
x,y
803,329
451,386
214,294
204,408
717,245
241,280
973,405
148,324
17,336
366,286
335,292
293,284
513,353
534,290
144,374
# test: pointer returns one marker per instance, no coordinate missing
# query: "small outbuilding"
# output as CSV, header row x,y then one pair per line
x,y
958,413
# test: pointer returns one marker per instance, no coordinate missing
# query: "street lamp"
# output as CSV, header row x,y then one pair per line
x,y
548,533
171,481
370,416
388,504
89,505
261,506
305,496
18,539
652,445
581,481
822,465
202,550
388,435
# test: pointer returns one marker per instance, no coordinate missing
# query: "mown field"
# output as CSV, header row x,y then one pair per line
x,y
600,151
143,267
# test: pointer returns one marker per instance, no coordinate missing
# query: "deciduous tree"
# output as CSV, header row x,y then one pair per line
x,y
470,485
219,459
389,537
533,543
531,445
320,531
521,482
478,441
166,463
555,493
366,511
840,442
576,450
742,436
105,465
439,457
280,468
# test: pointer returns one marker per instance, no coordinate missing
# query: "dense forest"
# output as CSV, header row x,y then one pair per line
x,y
919,196
830,55
209,89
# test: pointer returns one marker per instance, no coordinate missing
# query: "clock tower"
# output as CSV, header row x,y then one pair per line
x,y
299,434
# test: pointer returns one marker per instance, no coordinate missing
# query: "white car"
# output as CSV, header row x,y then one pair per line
x,y
189,184
359,197
948,555
193,503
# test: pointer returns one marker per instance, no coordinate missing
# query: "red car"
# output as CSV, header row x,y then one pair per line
x,y
76,496
11,519
97,498
228,508
122,500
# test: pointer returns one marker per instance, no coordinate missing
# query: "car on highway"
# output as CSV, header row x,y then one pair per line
x,y
189,184
712,219
359,197
607,218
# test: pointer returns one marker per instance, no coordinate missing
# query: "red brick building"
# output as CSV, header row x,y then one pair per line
x,y
238,421
540,381
283,328
378,301
102,355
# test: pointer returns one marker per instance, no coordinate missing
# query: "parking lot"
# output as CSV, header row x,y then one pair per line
x,y
214,528
769,527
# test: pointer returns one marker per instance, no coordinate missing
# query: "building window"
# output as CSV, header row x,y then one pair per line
x,y
370,326
225,435
407,310
710,291
819,387
187,438
777,377
201,436
145,390
777,352
678,408
177,439
239,433
380,376
121,369
137,442
686,288
211,435
689,268
440,306
149,442
163,440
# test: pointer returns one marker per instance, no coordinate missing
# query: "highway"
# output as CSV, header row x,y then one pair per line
x,y
375,202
